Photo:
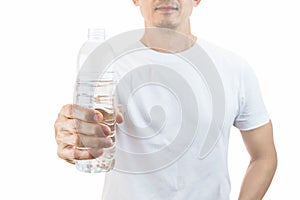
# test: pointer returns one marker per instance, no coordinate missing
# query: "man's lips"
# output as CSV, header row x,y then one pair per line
x,y
166,8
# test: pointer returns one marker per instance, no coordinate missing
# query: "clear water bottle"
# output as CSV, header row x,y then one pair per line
x,y
95,90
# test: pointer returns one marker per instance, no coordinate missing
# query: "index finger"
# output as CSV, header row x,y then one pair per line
x,y
73,111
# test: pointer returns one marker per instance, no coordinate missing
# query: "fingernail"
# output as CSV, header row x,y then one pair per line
x,y
119,118
98,117
109,141
107,131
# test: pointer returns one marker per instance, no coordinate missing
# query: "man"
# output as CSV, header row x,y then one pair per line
x,y
188,177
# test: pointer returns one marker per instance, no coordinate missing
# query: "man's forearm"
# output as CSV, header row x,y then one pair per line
x,y
258,178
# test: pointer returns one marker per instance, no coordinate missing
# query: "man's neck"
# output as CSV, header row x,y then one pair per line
x,y
168,40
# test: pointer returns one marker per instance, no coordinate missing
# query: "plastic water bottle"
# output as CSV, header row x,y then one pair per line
x,y
96,91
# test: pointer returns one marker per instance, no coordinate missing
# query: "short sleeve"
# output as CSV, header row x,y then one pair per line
x,y
252,112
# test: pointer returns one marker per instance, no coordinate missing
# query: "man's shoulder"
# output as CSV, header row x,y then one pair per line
x,y
222,56
218,50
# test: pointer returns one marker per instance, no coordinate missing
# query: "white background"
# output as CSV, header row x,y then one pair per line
x,y
39,41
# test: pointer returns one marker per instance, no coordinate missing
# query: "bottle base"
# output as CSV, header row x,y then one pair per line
x,y
97,165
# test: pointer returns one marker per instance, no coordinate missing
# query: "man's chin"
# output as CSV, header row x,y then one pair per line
x,y
166,25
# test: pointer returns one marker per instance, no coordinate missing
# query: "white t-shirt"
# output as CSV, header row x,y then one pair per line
x,y
185,175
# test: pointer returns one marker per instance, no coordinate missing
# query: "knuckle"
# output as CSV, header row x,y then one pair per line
x,y
58,126
75,125
58,138
60,153
77,140
72,154
67,109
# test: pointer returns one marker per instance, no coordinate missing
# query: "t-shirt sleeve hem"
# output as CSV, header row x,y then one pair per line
x,y
255,125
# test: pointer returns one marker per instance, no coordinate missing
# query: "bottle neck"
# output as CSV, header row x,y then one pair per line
x,y
96,34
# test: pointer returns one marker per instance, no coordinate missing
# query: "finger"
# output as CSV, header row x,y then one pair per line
x,y
86,154
76,126
66,152
67,138
80,140
94,142
70,153
119,118
78,112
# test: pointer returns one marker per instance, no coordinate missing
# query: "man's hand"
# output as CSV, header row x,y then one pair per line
x,y
78,127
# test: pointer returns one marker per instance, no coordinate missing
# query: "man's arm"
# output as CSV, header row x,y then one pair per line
x,y
260,145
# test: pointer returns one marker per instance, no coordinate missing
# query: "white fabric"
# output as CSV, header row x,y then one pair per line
x,y
188,177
